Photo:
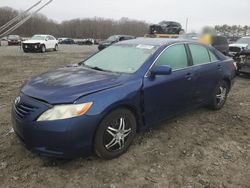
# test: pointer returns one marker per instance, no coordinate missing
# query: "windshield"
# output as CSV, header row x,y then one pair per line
x,y
243,41
112,38
121,58
13,37
38,37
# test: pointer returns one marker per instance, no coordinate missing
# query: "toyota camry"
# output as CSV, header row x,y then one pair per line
x,y
98,105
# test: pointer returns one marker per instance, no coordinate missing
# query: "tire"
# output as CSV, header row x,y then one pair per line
x,y
115,134
43,48
56,47
25,51
219,96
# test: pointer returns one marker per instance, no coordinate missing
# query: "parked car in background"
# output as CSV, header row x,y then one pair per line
x,y
66,41
88,41
4,41
114,39
40,43
166,27
99,105
14,40
221,44
242,44
218,41
240,51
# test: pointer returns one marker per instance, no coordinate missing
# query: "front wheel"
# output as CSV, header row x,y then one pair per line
x,y
25,51
43,48
115,134
220,96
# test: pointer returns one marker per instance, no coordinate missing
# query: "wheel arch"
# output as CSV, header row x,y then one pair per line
x,y
133,109
228,81
127,106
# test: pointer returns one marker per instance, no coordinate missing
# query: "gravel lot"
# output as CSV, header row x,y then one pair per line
x,y
202,148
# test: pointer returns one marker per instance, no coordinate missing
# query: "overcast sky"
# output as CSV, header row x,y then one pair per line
x,y
199,12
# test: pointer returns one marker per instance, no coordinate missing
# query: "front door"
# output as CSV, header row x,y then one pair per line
x,y
167,95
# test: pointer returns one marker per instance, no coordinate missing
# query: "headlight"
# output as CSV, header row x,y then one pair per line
x,y
59,112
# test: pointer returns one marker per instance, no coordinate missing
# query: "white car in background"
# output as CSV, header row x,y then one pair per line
x,y
40,43
243,44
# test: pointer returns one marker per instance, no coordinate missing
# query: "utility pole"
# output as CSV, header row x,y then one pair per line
x,y
187,25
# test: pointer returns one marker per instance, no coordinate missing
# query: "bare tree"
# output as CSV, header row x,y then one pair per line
x,y
100,28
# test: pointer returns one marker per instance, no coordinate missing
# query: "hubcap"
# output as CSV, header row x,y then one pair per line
x,y
118,136
221,95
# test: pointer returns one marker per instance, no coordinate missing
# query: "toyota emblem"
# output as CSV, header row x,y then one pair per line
x,y
17,100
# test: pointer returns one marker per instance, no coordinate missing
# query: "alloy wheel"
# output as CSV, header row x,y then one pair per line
x,y
116,135
221,95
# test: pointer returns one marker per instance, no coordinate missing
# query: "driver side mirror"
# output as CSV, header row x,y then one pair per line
x,y
160,70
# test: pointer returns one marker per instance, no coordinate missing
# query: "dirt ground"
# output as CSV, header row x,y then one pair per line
x,y
202,148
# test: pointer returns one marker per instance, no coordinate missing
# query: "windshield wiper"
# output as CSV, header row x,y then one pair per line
x,y
94,68
97,68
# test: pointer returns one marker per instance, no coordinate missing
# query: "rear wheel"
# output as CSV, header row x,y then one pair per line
x,y
115,134
220,96
56,47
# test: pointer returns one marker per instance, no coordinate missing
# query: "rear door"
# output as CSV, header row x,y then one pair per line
x,y
167,95
208,72
52,42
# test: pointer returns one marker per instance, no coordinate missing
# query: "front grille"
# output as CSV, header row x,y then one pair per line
x,y
23,109
234,49
35,46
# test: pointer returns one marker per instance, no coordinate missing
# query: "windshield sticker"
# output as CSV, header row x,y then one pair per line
x,y
142,46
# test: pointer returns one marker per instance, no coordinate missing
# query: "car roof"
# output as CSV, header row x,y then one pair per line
x,y
43,35
154,41
123,35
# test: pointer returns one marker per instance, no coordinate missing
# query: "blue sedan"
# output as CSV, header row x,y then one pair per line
x,y
100,104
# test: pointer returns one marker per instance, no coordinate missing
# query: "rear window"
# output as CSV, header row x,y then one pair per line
x,y
212,56
199,54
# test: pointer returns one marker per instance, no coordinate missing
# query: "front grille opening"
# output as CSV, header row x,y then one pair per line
x,y
23,109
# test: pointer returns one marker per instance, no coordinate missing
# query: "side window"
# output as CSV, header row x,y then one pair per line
x,y
175,57
199,54
122,38
212,56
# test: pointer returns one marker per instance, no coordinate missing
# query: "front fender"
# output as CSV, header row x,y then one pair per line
x,y
126,95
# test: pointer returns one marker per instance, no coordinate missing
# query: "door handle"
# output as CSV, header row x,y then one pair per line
x,y
219,67
188,76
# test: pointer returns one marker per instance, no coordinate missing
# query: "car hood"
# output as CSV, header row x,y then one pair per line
x,y
238,45
66,85
32,41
